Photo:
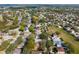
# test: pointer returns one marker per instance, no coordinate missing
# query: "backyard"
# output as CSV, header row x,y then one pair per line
x,y
69,39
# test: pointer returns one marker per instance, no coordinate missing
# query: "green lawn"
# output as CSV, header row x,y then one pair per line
x,y
3,26
4,45
10,49
74,45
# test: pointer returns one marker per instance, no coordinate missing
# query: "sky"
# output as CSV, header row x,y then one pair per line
x,y
39,1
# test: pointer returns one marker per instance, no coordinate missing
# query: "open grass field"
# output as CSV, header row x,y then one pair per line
x,y
74,45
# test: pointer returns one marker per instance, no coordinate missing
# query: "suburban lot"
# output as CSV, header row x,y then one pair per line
x,y
69,39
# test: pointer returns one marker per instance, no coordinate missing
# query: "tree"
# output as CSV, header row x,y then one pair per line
x,y
22,28
18,41
42,45
43,35
15,20
35,19
42,20
22,25
49,43
31,29
57,33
